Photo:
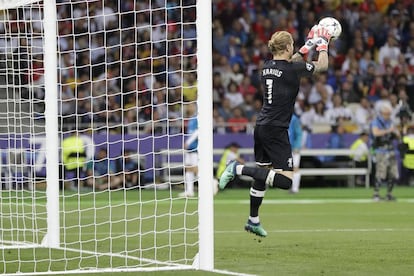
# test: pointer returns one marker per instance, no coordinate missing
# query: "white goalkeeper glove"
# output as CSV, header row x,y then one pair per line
x,y
322,38
310,41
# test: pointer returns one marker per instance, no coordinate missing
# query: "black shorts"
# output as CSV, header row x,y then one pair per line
x,y
272,147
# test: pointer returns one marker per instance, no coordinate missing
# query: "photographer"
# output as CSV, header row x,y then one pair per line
x,y
407,153
384,134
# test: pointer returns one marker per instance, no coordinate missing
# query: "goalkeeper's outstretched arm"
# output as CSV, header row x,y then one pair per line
x,y
318,37
321,64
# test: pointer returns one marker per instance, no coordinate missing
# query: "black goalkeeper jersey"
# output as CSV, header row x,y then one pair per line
x,y
280,80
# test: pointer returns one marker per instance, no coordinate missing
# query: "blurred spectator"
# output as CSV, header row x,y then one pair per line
x,y
218,88
263,28
368,78
295,138
246,87
366,61
174,124
300,104
409,50
336,141
384,98
393,100
364,114
231,153
360,155
404,114
221,41
219,124
132,170
352,15
316,114
236,75
249,106
388,78
390,50
256,107
305,87
191,154
239,32
223,67
321,91
401,87
190,87
348,93
233,95
237,123
160,105
227,12
277,12
338,113
234,51
73,159
225,110
103,173
361,150
105,16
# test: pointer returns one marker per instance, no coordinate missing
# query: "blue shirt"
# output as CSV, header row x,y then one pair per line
x,y
192,128
380,123
130,165
102,167
295,133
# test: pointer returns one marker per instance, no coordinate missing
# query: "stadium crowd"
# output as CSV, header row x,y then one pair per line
x,y
371,62
144,77
125,66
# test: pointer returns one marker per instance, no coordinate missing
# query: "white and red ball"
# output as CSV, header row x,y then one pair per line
x,y
332,25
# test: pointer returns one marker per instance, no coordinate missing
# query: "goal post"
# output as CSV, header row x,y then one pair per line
x,y
52,238
93,110
205,95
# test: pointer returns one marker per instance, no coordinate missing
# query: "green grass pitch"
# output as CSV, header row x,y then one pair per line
x,y
320,231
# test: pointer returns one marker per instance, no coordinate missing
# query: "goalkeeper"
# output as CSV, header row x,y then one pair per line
x,y
280,79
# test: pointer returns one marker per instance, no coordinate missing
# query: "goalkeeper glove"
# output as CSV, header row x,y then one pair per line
x,y
322,40
310,41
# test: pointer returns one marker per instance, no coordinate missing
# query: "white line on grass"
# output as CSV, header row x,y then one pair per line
x,y
327,230
310,201
226,272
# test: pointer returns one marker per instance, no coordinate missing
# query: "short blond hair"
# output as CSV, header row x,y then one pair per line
x,y
278,42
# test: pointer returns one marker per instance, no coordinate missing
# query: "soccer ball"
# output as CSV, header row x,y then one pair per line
x,y
333,26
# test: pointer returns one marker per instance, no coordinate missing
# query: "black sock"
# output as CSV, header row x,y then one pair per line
x,y
255,203
257,192
259,174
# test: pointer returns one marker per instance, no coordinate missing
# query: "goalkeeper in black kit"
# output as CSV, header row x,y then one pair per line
x,y
280,79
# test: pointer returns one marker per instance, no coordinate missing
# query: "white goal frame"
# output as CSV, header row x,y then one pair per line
x,y
205,256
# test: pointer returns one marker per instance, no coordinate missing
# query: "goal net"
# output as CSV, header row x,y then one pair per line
x,y
94,109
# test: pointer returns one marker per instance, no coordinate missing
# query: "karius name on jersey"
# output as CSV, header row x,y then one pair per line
x,y
272,71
